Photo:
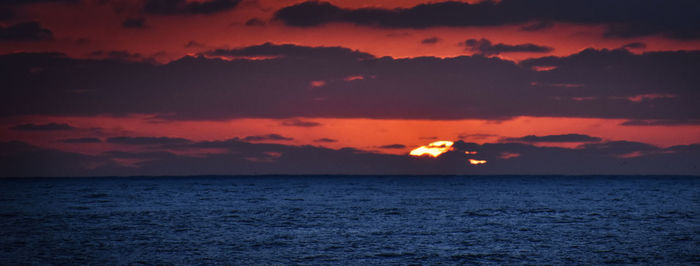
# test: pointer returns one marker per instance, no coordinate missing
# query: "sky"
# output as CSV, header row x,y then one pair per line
x,y
184,87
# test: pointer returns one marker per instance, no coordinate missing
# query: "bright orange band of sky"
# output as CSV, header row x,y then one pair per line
x,y
365,134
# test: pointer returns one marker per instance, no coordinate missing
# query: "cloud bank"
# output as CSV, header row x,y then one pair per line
x,y
26,31
621,19
652,86
485,47
242,157
555,138
183,7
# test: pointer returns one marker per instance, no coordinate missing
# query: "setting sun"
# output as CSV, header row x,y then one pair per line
x,y
475,162
434,149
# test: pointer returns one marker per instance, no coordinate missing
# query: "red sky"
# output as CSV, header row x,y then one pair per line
x,y
92,29
165,37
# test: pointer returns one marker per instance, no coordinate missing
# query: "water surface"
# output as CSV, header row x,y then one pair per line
x,y
351,220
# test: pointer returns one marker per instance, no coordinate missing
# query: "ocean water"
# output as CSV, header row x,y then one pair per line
x,y
354,220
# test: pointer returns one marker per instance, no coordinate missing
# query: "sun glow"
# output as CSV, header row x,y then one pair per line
x,y
434,149
475,161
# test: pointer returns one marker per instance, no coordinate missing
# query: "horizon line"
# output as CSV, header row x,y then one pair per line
x,y
347,175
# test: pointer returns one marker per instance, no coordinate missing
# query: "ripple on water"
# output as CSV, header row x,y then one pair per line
x,y
350,220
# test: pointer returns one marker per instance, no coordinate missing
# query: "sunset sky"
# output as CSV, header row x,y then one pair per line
x,y
180,87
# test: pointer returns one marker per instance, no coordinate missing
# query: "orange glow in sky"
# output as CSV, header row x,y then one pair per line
x,y
433,149
364,134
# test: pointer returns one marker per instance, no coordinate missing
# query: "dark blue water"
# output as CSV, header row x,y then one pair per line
x,y
351,220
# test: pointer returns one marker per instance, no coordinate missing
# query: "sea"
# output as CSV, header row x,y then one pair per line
x,y
350,220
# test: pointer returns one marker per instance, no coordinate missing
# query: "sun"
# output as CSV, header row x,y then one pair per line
x,y
476,162
434,149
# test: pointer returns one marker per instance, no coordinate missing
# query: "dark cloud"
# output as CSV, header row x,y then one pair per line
x,y
267,137
27,31
42,127
477,136
239,157
26,2
290,50
134,23
18,159
299,123
537,26
663,122
82,140
312,13
590,71
676,19
255,22
485,47
618,157
556,138
412,88
122,55
137,155
183,7
620,148
634,45
326,140
393,146
194,44
6,13
431,40
148,140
